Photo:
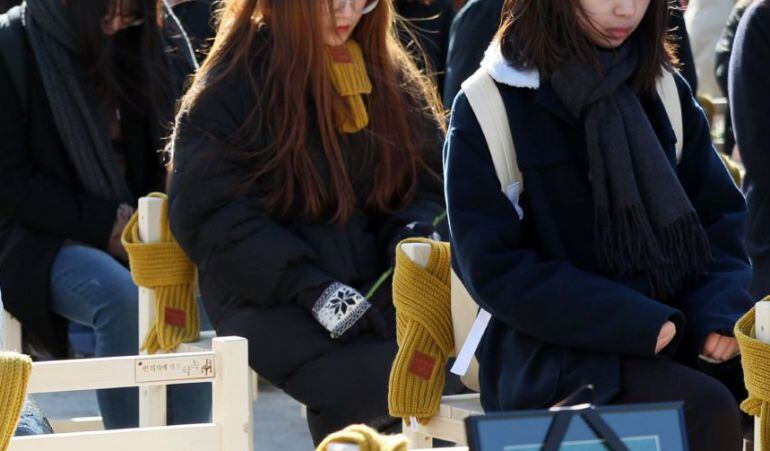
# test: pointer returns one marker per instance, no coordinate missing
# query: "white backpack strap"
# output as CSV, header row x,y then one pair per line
x,y
669,94
487,105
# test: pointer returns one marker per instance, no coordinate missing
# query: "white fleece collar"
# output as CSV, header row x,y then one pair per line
x,y
502,72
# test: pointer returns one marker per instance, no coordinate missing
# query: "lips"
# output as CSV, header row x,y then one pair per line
x,y
343,29
619,33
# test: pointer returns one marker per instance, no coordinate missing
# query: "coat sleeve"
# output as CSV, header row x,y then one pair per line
x,y
749,86
223,230
550,300
713,302
34,199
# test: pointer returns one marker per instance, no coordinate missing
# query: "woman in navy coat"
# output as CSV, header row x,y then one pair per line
x,y
617,265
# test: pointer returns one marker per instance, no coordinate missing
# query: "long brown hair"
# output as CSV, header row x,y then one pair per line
x,y
543,34
294,72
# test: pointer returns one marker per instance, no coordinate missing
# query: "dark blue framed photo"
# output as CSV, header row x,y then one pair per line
x,y
640,427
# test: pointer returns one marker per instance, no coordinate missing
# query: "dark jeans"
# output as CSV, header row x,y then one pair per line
x,y
711,412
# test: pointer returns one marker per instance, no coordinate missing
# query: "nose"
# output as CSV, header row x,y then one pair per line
x,y
347,10
625,8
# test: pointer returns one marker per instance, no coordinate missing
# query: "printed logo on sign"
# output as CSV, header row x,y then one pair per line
x,y
175,317
422,365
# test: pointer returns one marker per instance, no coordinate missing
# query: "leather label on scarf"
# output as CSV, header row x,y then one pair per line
x,y
175,317
341,55
422,365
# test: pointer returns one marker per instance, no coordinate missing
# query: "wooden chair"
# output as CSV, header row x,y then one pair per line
x,y
152,399
12,333
448,424
225,367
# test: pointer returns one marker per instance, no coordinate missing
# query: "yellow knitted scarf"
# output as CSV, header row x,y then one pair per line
x,y
424,332
14,375
348,74
165,268
755,359
366,438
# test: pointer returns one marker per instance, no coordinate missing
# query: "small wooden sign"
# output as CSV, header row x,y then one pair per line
x,y
164,369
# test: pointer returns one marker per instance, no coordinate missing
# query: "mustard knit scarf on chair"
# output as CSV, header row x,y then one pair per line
x,y
165,268
423,330
14,375
347,69
366,438
755,359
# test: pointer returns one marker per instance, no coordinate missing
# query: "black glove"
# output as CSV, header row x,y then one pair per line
x,y
413,230
342,310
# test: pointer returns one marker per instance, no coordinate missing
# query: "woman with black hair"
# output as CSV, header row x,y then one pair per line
x,y
81,140
614,261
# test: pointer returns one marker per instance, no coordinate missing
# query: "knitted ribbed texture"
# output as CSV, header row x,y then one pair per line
x,y
423,330
347,69
755,359
165,268
366,438
14,374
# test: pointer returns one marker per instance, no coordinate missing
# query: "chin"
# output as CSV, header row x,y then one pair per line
x,y
336,40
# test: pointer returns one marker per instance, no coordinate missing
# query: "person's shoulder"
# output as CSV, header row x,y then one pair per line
x,y
418,8
757,17
475,9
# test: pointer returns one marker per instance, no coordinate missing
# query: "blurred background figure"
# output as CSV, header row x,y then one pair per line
x,y
429,22
749,89
705,21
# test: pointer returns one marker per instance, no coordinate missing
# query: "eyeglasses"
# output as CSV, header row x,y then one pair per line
x,y
359,6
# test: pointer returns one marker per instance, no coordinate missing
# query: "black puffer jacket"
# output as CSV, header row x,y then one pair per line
x,y
244,255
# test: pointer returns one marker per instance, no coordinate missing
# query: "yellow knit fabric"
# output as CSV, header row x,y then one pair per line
x,y
14,375
755,359
350,79
424,332
366,438
165,268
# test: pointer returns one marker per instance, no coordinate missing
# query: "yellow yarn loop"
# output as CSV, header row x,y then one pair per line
x,y
755,359
347,69
423,330
165,268
14,375
366,438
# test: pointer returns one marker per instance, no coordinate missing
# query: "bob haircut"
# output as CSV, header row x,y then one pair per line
x,y
544,34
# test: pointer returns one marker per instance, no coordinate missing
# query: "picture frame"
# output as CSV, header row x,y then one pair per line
x,y
640,427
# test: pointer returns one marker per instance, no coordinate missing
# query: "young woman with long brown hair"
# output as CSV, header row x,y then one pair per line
x,y
621,264
307,147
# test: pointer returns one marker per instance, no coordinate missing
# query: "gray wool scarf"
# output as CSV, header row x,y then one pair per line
x,y
644,221
79,122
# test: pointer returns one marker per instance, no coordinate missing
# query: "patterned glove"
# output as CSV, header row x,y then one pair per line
x,y
338,308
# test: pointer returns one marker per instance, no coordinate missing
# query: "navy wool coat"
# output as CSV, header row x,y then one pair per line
x,y
558,321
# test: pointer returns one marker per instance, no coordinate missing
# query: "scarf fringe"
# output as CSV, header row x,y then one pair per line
x,y
668,256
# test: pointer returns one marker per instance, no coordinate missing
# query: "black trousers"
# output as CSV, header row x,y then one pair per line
x,y
340,382
712,417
